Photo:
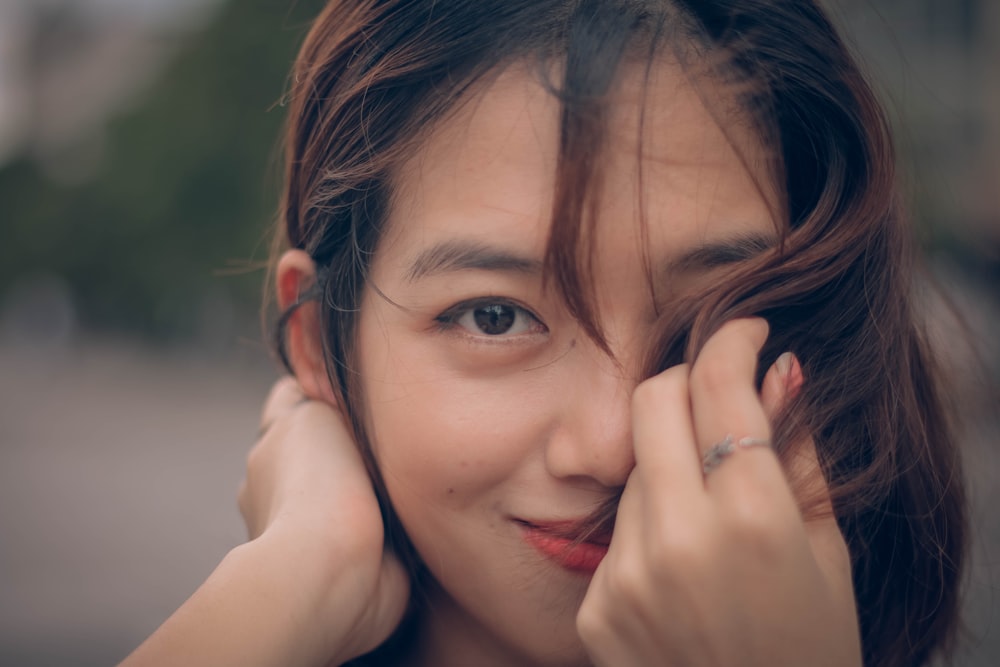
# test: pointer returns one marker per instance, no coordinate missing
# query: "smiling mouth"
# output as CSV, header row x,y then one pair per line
x,y
564,543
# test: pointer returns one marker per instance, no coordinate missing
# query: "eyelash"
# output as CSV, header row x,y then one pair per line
x,y
449,319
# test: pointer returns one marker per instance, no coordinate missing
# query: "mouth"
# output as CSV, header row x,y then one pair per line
x,y
567,544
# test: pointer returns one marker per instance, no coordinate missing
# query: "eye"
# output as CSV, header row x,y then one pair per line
x,y
492,319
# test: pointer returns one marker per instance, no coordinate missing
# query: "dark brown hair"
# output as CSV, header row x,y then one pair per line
x,y
373,75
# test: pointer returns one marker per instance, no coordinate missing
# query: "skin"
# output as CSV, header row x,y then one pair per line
x,y
475,431
472,432
296,593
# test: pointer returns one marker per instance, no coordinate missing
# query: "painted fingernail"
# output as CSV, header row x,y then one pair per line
x,y
791,371
784,365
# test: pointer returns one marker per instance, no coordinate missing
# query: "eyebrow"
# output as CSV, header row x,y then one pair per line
x,y
457,255
713,254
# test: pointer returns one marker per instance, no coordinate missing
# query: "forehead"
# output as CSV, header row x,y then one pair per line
x,y
677,158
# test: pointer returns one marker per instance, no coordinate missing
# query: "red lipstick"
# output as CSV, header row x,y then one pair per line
x,y
557,542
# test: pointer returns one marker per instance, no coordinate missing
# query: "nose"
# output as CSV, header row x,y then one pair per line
x,y
593,437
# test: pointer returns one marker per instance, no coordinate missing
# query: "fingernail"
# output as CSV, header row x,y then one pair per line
x,y
791,372
784,365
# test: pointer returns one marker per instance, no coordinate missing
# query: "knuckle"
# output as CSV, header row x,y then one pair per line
x,y
644,396
594,623
746,326
253,458
242,502
665,564
751,331
590,620
629,584
664,388
284,393
258,460
285,386
711,375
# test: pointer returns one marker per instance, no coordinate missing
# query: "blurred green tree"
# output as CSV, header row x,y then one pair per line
x,y
188,183
186,190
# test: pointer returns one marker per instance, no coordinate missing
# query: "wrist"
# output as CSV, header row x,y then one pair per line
x,y
315,586
292,586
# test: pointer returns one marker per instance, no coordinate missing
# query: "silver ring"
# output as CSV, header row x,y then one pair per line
x,y
723,449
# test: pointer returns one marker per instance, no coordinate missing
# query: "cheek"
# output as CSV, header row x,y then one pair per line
x,y
444,438
449,441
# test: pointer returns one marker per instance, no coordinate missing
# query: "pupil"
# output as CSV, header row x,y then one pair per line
x,y
495,319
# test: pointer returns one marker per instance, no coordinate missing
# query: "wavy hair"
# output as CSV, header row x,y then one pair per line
x,y
837,290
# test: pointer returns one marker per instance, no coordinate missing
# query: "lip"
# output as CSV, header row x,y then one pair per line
x,y
559,541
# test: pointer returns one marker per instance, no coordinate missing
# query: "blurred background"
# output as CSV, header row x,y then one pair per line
x,y
138,184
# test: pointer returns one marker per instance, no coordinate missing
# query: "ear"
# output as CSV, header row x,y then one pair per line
x,y
296,274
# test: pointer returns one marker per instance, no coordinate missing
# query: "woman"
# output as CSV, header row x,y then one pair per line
x,y
601,315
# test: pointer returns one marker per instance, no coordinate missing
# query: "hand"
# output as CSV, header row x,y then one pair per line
x,y
307,492
719,570
313,585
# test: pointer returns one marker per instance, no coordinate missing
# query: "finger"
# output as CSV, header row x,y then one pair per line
x,y
809,485
802,468
326,433
631,522
284,395
662,433
813,494
243,503
780,384
725,406
251,515
773,390
393,594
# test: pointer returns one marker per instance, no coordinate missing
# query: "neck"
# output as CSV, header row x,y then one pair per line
x,y
449,637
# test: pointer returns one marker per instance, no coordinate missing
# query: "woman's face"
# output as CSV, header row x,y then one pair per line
x,y
493,417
